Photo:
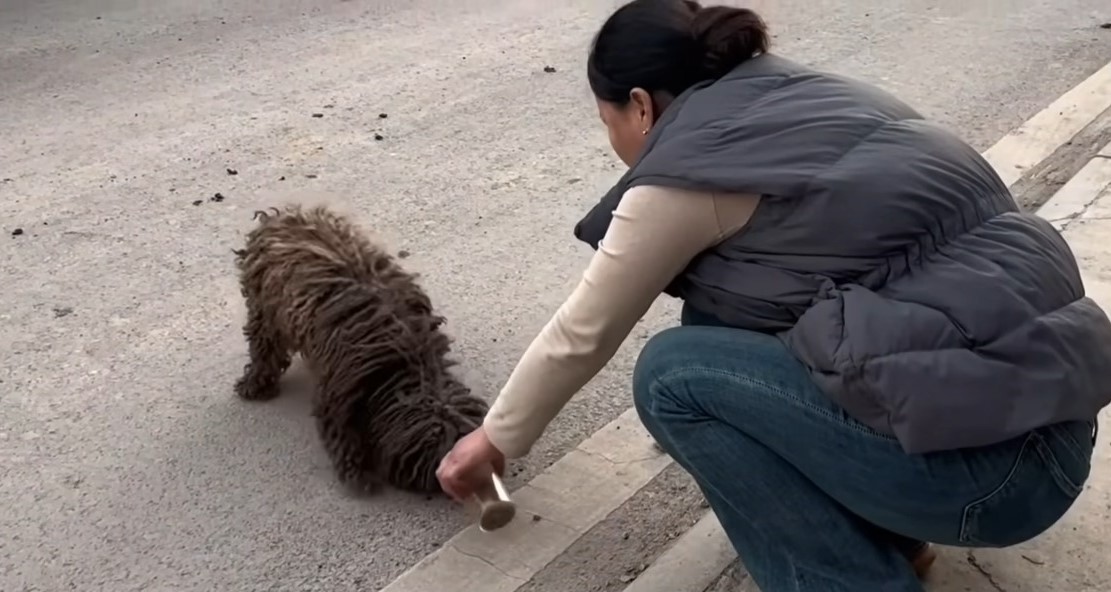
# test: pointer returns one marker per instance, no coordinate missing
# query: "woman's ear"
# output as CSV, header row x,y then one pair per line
x,y
642,109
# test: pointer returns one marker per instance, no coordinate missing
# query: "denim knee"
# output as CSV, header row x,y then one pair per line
x,y
661,356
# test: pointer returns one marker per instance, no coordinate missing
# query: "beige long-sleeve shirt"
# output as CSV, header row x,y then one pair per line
x,y
655,233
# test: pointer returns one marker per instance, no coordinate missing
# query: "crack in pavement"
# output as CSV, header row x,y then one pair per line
x,y
1067,221
984,572
491,564
537,517
631,461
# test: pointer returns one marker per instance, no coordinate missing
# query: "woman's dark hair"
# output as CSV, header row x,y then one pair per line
x,y
670,45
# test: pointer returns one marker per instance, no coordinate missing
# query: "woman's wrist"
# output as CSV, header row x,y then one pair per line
x,y
499,440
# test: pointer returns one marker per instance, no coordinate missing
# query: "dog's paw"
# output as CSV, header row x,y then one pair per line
x,y
359,483
250,389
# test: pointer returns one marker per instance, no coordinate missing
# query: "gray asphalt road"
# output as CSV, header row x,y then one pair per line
x,y
125,461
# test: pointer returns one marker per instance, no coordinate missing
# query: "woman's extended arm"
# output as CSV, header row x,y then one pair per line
x,y
655,233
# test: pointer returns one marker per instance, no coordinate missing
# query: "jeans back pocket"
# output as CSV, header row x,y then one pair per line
x,y
1047,476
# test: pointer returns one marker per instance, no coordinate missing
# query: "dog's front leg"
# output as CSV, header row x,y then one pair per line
x,y
269,357
346,444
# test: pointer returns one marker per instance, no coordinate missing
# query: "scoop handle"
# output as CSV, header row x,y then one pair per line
x,y
496,508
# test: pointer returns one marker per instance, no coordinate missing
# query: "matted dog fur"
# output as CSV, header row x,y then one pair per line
x,y
387,405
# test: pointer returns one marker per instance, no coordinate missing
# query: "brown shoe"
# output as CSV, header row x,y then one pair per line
x,y
923,560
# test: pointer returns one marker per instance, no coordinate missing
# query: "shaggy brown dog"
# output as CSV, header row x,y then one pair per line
x,y
388,406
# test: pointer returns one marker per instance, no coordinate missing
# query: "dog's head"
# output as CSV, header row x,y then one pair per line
x,y
423,428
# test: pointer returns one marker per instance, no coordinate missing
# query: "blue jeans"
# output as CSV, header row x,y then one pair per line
x,y
815,501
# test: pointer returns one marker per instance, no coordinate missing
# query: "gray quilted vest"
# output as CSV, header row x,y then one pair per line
x,y
886,254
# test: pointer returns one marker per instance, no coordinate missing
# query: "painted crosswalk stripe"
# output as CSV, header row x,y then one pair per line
x,y
1080,191
1048,130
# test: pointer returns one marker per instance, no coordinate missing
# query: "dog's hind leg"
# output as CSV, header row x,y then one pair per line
x,y
269,357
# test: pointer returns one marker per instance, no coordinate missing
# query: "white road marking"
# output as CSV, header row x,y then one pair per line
x,y
1052,127
1080,192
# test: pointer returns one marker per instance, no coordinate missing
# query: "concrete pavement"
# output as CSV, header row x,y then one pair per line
x,y
125,461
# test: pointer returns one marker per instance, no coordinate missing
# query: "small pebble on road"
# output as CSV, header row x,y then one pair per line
x,y
17,232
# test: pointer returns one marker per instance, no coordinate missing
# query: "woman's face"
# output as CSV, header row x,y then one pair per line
x,y
628,125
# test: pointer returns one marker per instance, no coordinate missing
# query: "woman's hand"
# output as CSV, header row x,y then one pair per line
x,y
467,467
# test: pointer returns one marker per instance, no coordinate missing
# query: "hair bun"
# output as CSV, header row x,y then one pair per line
x,y
670,45
728,36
